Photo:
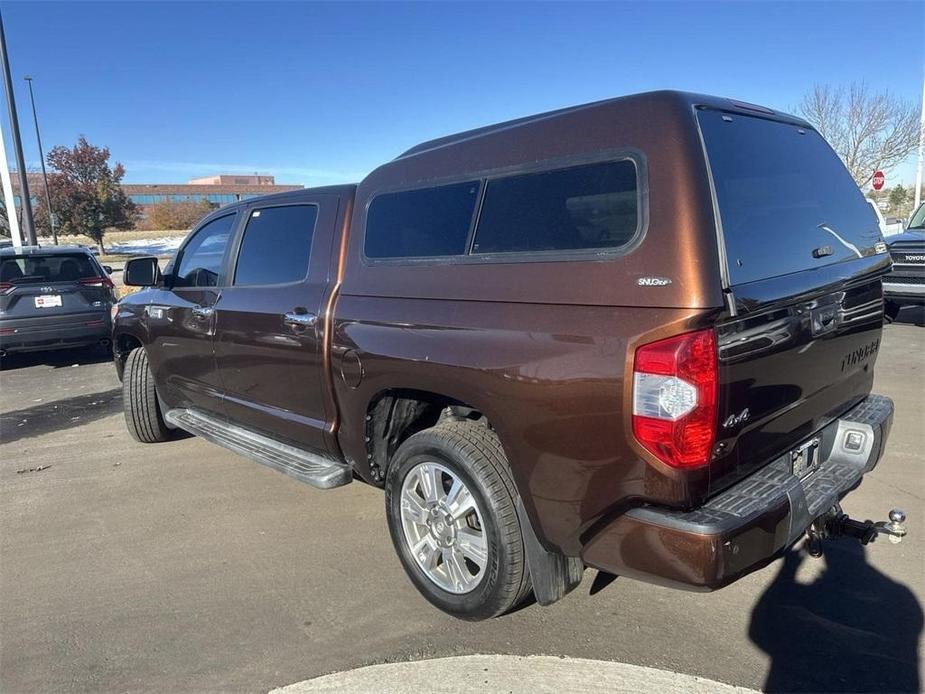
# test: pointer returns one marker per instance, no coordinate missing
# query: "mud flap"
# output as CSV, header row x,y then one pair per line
x,y
553,574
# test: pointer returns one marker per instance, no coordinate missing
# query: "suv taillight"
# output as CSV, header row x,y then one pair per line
x,y
5,287
674,398
96,282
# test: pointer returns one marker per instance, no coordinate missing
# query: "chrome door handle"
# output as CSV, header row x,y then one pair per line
x,y
203,312
300,321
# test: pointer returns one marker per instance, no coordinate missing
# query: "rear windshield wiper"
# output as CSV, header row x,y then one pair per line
x,y
846,244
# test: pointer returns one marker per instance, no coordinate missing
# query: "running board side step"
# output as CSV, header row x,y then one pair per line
x,y
311,468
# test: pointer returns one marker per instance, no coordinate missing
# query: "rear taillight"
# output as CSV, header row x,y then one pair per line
x,y
674,398
5,288
96,282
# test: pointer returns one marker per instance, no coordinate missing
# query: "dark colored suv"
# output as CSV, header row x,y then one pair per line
x,y
53,298
905,285
637,335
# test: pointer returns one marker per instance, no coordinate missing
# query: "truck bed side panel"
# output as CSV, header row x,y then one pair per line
x,y
549,377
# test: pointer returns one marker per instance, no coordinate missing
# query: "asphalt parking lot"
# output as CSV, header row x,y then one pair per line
x,y
182,567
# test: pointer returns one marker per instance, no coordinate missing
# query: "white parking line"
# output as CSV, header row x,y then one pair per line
x,y
507,673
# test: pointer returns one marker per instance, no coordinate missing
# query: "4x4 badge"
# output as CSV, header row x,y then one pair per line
x,y
734,420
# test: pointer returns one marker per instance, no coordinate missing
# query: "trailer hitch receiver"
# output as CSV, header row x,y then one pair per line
x,y
836,523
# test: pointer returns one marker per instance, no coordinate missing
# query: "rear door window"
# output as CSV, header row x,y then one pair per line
x,y
201,258
276,245
423,223
786,202
576,209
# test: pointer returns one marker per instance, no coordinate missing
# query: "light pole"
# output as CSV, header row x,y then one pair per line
x,y
9,198
27,226
38,137
918,170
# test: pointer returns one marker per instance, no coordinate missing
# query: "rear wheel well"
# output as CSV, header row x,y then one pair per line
x,y
395,415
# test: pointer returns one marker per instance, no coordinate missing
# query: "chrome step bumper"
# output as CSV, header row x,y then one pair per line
x,y
746,526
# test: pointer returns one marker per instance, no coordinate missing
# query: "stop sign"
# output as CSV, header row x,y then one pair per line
x,y
879,180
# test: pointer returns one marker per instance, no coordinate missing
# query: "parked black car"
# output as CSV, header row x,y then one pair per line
x,y
905,285
52,298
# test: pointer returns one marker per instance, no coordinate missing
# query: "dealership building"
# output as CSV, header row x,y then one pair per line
x,y
217,190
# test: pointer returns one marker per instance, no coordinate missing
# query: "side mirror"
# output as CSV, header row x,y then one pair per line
x,y
141,272
107,269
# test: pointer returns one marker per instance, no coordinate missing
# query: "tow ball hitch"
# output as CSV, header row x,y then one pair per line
x,y
836,523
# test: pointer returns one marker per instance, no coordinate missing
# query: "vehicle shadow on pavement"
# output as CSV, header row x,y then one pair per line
x,y
853,629
57,359
56,415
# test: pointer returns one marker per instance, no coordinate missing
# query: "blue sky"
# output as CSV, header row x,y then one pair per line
x,y
322,93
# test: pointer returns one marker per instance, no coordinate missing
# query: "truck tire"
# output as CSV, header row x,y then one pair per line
x,y
139,400
451,505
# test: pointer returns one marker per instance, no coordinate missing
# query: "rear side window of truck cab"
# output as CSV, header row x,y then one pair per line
x,y
585,208
276,245
592,207
423,223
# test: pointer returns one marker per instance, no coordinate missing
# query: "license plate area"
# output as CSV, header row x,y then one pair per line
x,y
805,458
48,301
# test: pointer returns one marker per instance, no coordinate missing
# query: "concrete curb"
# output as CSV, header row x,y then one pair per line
x,y
507,673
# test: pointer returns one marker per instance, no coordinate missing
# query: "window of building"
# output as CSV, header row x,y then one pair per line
x,y
580,208
276,246
146,199
188,197
428,222
201,258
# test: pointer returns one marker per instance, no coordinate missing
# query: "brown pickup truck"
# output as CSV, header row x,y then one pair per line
x,y
637,335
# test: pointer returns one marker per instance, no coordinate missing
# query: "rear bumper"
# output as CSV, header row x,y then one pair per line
x,y
54,332
748,525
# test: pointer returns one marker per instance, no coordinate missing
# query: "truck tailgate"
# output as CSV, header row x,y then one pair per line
x,y
790,368
803,266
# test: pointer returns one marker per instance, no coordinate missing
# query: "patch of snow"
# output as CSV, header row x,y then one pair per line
x,y
161,246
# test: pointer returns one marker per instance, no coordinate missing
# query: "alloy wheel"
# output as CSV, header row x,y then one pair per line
x,y
442,525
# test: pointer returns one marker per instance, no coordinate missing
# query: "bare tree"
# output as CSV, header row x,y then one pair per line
x,y
868,130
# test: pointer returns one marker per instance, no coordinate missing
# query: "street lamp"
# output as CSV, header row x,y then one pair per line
x,y
38,137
